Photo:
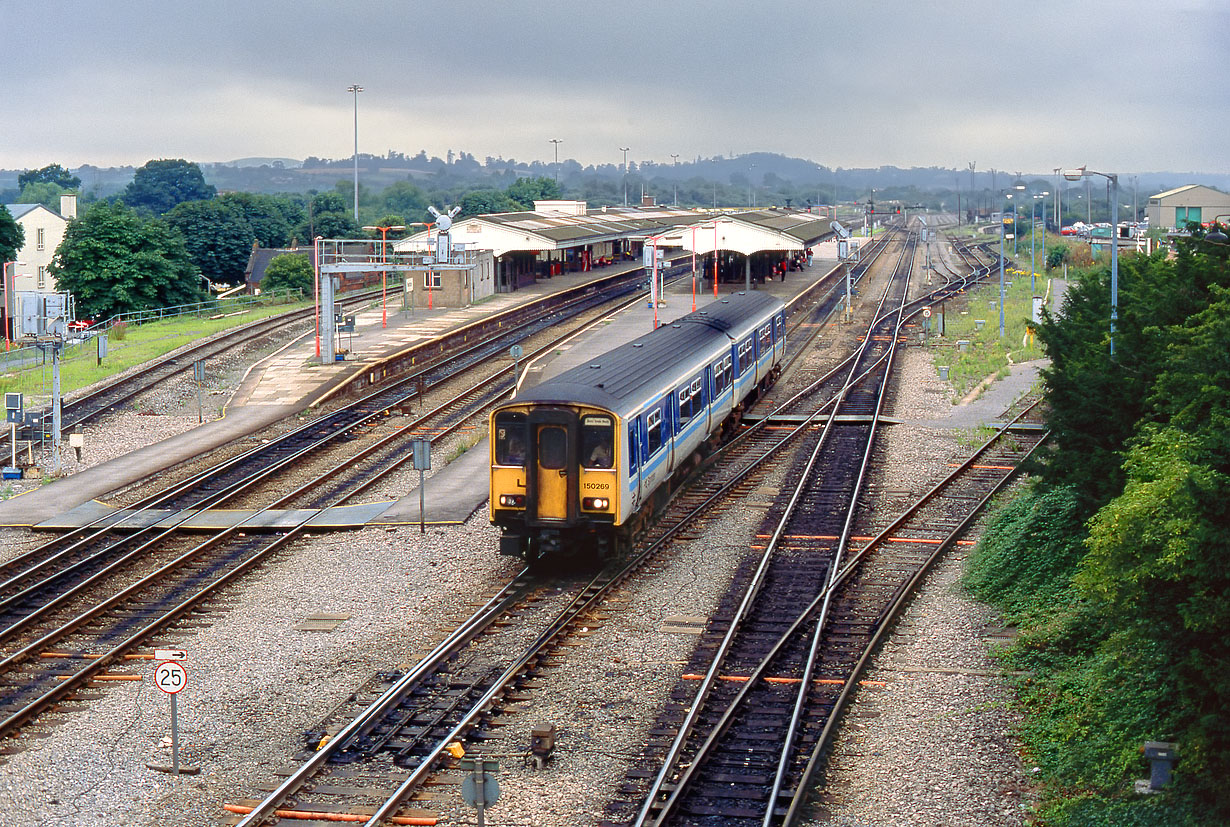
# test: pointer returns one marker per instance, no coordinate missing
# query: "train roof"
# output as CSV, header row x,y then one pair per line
x,y
633,373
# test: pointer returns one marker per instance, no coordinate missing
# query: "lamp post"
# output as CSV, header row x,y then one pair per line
x,y
751,192
8,317
1033,229
675,157
316,292
557,142
624,150
1044,226
1076,175
384,273
1002,230
356,89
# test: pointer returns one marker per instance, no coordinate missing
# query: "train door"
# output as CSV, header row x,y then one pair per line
x,y
554,435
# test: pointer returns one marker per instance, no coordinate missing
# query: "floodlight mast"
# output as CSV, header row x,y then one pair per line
x,y
1085,172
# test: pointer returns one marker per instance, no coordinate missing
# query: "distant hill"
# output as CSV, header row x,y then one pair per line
x,y
279,163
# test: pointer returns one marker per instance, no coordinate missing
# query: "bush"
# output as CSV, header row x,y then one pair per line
x,y
289,271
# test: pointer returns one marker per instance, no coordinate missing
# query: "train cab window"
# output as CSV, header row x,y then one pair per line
x,y
553,447
597,442
510,439
653,430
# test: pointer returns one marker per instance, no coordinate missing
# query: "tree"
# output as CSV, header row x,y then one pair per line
x,y
12,236
289,271
50,174
481,202
160,185
271,217
115,261
329,216
41,192
525,191
404,198
218,237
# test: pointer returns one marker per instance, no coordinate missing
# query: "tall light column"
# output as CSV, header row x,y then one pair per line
x,y
1033,231
675,156
356,89
557,142
1076,175
1002,230
624,150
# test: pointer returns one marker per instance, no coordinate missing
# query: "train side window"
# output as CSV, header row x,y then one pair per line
x,y
653,428
766,338
698,395
685,406
553,447
510,439
721,376
597,442
745,356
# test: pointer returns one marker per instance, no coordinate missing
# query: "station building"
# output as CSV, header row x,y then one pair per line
x,y
1174,209
566,236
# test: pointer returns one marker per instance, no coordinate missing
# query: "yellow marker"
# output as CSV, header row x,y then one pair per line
x,y
455,749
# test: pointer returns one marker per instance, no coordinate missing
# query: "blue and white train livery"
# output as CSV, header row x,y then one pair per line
x,y
580,461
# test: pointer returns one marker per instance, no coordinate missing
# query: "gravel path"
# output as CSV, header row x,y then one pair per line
x,y
257,683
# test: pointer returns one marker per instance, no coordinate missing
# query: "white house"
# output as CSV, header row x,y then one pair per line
x,y
44,230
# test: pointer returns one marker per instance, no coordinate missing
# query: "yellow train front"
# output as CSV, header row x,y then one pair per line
x,y
579,461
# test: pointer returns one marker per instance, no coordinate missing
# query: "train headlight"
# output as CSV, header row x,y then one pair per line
x,y
595,503
512,500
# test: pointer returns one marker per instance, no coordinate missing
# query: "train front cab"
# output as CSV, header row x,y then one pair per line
x,y
554,480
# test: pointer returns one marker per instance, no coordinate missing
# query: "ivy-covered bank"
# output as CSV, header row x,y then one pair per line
x,y
1115,562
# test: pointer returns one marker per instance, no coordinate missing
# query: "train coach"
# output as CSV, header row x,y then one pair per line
x,y
581,460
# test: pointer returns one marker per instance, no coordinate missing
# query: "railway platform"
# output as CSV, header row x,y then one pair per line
x,y
291,380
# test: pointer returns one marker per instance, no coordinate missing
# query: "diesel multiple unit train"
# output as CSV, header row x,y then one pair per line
x,y
579,461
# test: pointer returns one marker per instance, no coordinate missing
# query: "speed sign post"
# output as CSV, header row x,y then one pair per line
x,y
171,677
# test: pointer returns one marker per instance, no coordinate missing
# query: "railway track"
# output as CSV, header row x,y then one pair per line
x,y
751,728
120,389
299,792
95,594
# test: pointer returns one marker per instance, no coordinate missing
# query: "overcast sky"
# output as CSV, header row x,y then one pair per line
x,y
1120,85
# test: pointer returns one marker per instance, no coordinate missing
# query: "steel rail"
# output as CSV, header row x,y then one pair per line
x,y
687,726
794,812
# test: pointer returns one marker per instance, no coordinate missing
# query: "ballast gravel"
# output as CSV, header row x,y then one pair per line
x,y
931,746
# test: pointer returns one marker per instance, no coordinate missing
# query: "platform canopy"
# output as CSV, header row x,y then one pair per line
x,y
748,233
549,229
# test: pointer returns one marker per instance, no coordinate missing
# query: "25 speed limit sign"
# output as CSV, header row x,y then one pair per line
x,y
170,677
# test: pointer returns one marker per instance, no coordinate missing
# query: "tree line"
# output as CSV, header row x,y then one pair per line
x,y
170,235
1116,560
